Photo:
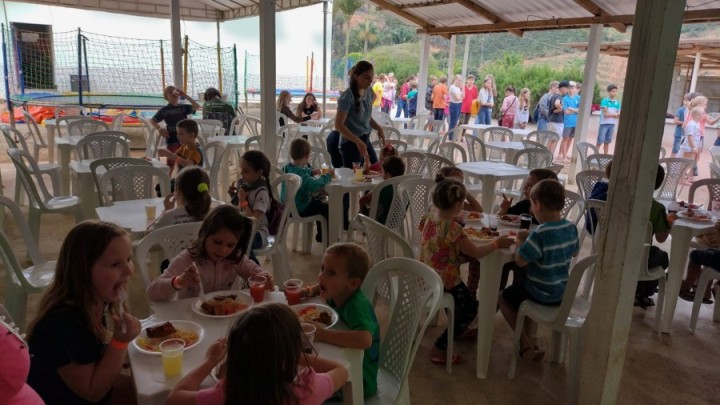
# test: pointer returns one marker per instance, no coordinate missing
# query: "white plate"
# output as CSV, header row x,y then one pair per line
x,y
508,223
320,307
706,216
469,220
675,206
241,297
180,326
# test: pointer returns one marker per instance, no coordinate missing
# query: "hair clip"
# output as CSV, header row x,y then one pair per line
x,y
202,188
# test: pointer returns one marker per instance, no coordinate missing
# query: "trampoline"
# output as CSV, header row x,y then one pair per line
x,y
92,101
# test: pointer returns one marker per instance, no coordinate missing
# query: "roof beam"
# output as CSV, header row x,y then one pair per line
x,y
404,14
598,11
485,13
693,16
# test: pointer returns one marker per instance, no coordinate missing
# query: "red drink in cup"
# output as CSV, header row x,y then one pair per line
x,y
257,288
293,287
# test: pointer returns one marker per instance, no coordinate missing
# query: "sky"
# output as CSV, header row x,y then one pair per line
x,y
299,31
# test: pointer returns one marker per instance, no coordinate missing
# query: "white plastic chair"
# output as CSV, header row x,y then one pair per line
x,y
104,144
414,162
253,124
117,121
549,139
34,131
476,148
253,143
86,126
434,163
318,156
572,201
675,170
708,274
654,273
713,190
237,125
210,128
417,288
104,164
528,144
152,138
133,183
598,207
171,240
451,151
61,124
20,282
400,146
599,161
586,181
496,134
714,171
41,201
566,321
52,170
276,244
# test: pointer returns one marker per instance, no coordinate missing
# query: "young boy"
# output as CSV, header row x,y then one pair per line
x,y
439,93
311,182
523,206
609,116
392,166
547,252
570,106
173,113
188,154
343,270
412,99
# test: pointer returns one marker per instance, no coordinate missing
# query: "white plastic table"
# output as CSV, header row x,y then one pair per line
x,y
509,149
489,174
518,134
228,139
682,232
307,129
130,215
320,122
229,142
50,130
398,122
153,387
66,145
336,189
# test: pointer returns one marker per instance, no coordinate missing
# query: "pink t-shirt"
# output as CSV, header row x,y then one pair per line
x,y
313,389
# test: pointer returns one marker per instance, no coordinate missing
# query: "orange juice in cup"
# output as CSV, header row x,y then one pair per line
x,y
172,356
257,287
293,287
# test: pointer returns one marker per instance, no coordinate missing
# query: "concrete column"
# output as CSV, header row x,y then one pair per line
x,y
176,43
451,59
653,50
466,57
423,73
324,58
266,11
588,90
695,72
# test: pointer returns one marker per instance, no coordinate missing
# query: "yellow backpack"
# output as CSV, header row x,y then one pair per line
x,y
475,107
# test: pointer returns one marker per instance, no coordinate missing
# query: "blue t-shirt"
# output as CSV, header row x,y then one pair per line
x,y
548,250
570,119
357,122
172,114
680,114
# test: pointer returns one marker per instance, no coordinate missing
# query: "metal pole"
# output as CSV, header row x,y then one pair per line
x,y
7,79
162,64
87,65
219,56
80,72
324,95
312,69
185,63
245,76
235,72
176,43
18,61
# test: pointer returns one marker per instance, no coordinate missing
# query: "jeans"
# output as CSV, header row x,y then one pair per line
x,y
484,116
333,147
438,113
402,105
605,134
542,124
454,117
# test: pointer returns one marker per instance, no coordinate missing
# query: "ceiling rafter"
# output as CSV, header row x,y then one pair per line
x,y
485,13
404,14
598,11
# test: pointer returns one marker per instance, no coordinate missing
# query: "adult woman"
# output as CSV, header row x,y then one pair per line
x,y
308,108
523,108
283,106
214,108
487,101
456,98
509,108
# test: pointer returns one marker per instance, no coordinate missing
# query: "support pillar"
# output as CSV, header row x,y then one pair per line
x,y
176,43
266,11
695,72
451,60
423,73
324,58
588,90
466,56
653,49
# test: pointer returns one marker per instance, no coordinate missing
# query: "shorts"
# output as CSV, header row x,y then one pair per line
x,y
516,294
568,132
605,133
556,127
706,257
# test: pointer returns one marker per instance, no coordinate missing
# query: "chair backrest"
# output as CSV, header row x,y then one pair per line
x,y
22,226
382,118
599,161
225,119
102,145
214,154
414,162
546,138
284,189
61,124
152,139
253,143
133,183
237,124
400,146
117,121
713,189
452,151
86,126
27,170
644,270
434,125
417,288
475,148
663,152
253,124
170,239
34,129
572,200
209,127
714,171
587,179
433,145
596,207
497,134
99,166
585,149
318,156
533,158
715,153
14,138
395,217
675,169
392,133
62,111
418,194
571,288
419,121
434,163
528,144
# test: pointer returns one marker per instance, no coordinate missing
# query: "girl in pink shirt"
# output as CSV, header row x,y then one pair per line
x,y
214,259
265,365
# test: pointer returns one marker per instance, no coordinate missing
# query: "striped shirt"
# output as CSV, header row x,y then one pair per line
x,y
548,250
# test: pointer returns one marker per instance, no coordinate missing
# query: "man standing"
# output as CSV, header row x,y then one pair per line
x,y
543,106
555,111
571,106
609,115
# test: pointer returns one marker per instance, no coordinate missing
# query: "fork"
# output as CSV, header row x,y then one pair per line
x,y
121,298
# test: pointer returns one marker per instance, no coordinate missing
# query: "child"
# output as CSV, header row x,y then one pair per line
x,y
306,205
393,166
189,203
283,106
188,154
280,374
253,196
439,104
443,240
412,99
387,151
471,203
698,259
679,121
213,261
72,360
343,270
609,116
692,145
547,252
308,108
523,206
571,107
14,367
173,113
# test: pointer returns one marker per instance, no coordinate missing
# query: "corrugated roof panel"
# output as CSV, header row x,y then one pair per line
x,y
518,11
448,15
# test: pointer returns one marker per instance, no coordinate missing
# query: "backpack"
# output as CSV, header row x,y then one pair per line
x,y
428,98
274,213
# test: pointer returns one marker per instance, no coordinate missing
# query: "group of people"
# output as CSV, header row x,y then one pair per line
x,y
388,92
689,137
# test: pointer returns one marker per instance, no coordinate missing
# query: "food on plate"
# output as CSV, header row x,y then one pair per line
x,y
474,215
152,343
688,205
314,314
222,305
510,218
700,216
480,234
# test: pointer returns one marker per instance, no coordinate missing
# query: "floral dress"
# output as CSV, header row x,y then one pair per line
x,y
440,249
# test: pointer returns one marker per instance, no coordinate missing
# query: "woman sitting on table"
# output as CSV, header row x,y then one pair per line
x,y
308,108
171,114
283,106
214,108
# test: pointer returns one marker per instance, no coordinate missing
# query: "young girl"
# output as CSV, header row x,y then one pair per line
x,y
509,108
693,144
72,360
189,203
443,240
283,106
523,108
471,203
376,168
213,261
308,108
281,373
254,196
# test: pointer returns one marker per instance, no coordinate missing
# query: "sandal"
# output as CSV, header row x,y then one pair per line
x,y
687,295
456,359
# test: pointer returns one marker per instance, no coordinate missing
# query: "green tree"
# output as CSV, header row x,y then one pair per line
x,y
367,34
347,8
403,60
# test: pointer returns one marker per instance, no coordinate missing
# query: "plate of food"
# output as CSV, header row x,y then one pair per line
x,y
222,304
365,179
509,220
473,216
482,235
695,215
682,205
149,340
316,313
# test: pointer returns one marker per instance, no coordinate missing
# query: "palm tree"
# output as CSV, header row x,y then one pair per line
x,y
367,34
347,8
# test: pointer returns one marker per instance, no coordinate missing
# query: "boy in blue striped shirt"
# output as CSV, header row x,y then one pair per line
x,y
547,252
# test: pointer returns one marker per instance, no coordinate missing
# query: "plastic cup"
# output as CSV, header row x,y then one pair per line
x,y
492,222
163,160
150,211
525,221
171,351
257,288
308,330
292,291
357,167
